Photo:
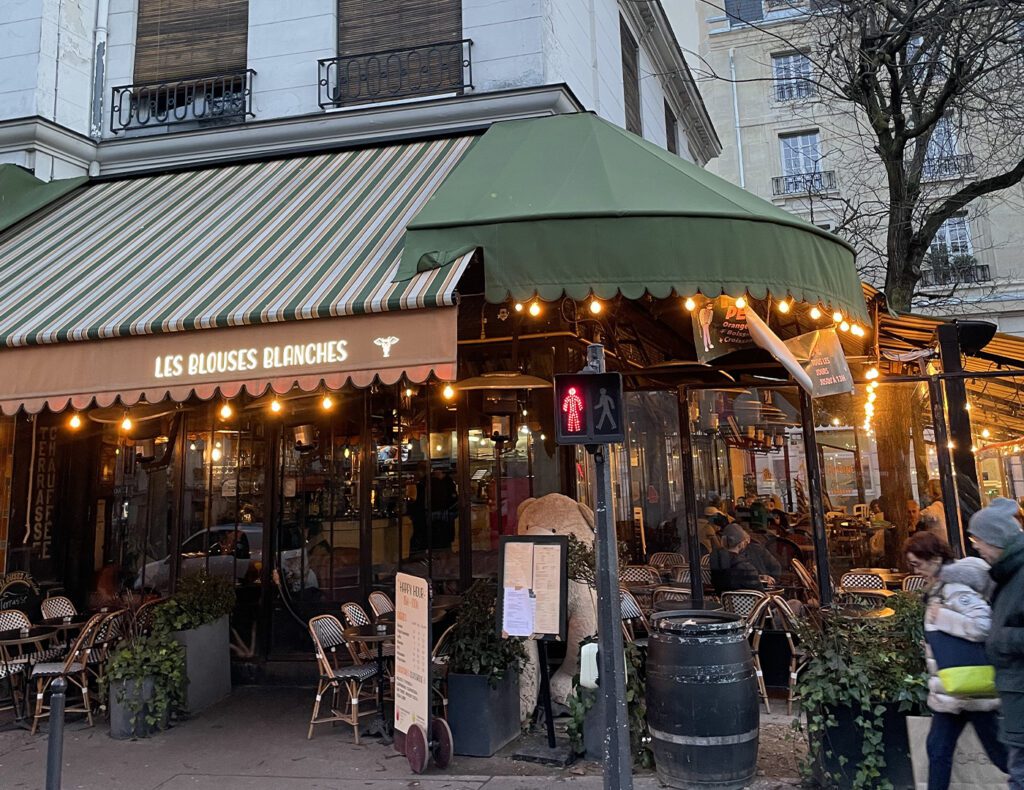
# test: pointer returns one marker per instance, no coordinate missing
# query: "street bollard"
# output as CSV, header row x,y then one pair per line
x,y
55,745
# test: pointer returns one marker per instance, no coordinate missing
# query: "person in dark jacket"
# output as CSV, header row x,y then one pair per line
x,y
996,534
731,568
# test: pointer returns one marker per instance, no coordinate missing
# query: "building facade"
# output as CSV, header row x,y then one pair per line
x,y
804,152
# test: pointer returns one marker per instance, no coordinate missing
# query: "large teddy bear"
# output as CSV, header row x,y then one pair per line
x,y
556,514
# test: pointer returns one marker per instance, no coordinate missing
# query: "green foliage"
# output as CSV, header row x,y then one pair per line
x,y
864,664
582,700
138,657
581,562
199,599
477,649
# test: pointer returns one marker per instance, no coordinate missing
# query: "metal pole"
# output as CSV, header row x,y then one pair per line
x,y
545,691
618,773
946,479
815,500
964,464
55,744
690,501
788,470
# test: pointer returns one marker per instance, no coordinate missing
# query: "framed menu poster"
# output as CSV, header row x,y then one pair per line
x,y
533,581
412,652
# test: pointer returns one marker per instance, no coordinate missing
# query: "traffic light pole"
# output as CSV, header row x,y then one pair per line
x,y
618,767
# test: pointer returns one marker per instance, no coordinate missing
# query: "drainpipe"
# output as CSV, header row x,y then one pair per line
x,y
736,116
99,69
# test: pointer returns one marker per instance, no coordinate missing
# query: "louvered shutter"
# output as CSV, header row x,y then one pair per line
x,y
630,78
182,39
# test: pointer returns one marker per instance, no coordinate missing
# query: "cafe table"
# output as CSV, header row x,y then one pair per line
x,y
29,646
65,626
378,634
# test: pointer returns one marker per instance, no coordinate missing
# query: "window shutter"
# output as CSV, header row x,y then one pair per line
x,y
630,78
180,39
370,26
671,130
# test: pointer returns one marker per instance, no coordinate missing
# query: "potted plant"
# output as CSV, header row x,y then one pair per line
x,y
864,677
144,681
483,677
197,617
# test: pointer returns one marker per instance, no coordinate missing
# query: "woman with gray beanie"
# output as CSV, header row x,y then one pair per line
x,y
996,534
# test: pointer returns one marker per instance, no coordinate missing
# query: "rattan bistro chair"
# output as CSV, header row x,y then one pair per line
x,y
328,635
914,583
73,669
57,606
666,559
786,621
862,581
632,615
752,606
806,579
380,603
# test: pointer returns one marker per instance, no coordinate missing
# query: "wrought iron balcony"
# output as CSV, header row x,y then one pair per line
x,y
956,274
814,183
947,168
410,72
207,101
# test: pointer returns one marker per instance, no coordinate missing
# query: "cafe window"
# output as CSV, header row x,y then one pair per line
x,y
184,39
630,78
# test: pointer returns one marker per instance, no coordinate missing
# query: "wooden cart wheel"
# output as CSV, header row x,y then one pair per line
x,y
416,749
442,743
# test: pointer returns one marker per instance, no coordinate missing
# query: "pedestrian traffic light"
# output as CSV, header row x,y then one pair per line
x,y
588,408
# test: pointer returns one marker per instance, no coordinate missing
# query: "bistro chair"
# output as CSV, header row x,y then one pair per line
x,y
632,615
109,633
863,599
786,621
354,614
57,606
145,614
13,619
639,576
683,577
439,665
752,606
72,669
328,635
806,579
380,603
862,581
669,595
914,583
12,669
666,559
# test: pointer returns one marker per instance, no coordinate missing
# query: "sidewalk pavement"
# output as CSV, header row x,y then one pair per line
x,y
256,740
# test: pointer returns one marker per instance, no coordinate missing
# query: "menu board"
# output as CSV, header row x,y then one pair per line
x,y
534,586
412,652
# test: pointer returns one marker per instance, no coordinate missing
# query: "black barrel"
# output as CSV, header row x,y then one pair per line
x,y
702,701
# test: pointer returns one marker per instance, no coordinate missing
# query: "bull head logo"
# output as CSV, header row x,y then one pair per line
x,y
385,344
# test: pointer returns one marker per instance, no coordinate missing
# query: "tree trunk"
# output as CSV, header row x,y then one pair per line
x,y
892,434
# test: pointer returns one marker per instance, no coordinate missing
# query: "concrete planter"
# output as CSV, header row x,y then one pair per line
x,y
844,740
207,663
972,770
124,696
483,718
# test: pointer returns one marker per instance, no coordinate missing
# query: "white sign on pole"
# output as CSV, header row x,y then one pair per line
x,y
412,652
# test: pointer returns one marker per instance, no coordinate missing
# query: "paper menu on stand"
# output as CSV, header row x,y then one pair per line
x,y
547,560
533,581
517,612
518,565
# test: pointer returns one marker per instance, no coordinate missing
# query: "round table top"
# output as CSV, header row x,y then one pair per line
x,y
437,614
15,636
370,633
446,601
687,604
77,621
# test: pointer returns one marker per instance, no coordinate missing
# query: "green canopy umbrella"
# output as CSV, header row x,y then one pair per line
x,y
574,205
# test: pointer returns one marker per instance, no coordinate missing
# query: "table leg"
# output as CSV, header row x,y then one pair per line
x,y
380,725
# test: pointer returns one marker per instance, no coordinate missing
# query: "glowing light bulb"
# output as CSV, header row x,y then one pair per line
x,y
448,392
347,452
519,307
857,329
439,448
967,406
844,327
974,448
126,423
871,397
783,307
408,392
950,445
327,403
543,437
871,374
535,309
815,313
985,433
75,421
741,302
216,454
595,306
689,304
275,406
192,446
226,411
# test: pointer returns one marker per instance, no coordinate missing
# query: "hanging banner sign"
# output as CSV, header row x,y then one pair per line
x,y
719,328
821,355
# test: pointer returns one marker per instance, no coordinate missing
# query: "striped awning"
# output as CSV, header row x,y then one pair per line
x,y
269,243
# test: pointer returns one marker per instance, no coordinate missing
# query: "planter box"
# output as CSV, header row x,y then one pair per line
x,y
844,740
483,719
207,663
593,727
972,770
122,697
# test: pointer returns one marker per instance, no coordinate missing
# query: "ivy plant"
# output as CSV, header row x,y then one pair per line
x,y
477,649
200,598
866,665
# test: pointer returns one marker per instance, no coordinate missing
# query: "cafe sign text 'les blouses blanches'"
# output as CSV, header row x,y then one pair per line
x,y
238,360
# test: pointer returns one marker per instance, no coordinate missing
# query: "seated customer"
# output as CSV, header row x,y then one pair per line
x,y
759,556
731,568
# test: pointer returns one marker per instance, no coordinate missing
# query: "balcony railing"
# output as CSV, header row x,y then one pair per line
x,y
971,274
410,72
783,5
209,101
793,89
946,168
805,183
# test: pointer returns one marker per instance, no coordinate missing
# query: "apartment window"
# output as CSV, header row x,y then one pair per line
x,y
671,130
179,40
801,153
950,259
630,78
953,238
791,76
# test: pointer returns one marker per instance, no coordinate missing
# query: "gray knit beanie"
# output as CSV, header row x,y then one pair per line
x,y
996,524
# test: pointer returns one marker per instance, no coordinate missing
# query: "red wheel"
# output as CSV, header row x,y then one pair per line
x,y
416,750
442,743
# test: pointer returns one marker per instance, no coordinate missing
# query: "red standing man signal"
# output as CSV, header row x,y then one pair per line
x,y
572,407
